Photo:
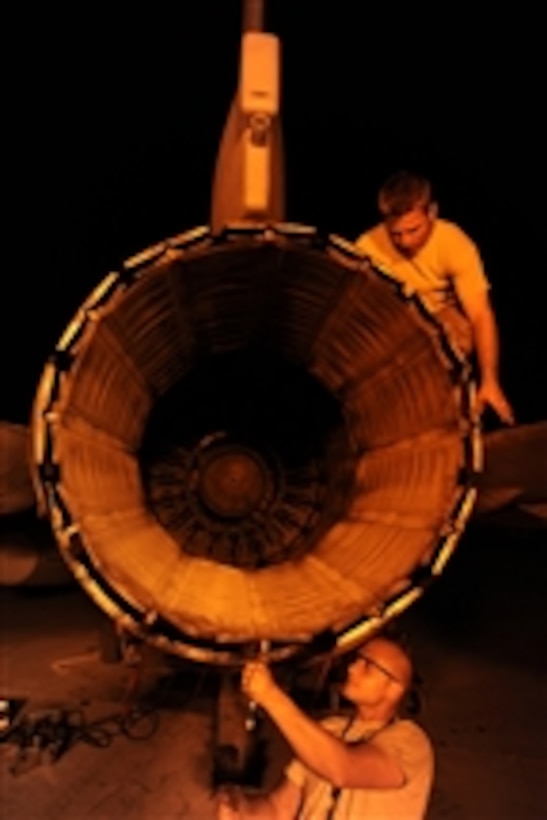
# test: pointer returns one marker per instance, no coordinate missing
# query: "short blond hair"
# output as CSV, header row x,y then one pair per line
x,y
403,192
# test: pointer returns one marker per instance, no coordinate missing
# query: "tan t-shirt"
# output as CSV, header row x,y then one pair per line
x,y
443,272
402,740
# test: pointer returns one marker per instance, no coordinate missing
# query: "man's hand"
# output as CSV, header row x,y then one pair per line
x,y
257,682
491,394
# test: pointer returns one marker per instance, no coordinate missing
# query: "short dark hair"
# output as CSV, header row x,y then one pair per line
x,y
402,192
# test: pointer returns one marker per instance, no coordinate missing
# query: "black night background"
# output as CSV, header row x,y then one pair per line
x,y
114,121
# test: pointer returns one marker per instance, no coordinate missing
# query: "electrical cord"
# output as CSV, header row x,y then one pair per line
x,y
45,735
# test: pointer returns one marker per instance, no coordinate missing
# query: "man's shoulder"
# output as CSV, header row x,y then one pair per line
x,y
407,726
406,732
447,230
377,246
371,235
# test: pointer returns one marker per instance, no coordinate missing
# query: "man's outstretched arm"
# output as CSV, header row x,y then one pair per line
x,y
486,339
344,765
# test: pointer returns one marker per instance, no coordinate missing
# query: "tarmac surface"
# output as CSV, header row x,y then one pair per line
x,y
478,638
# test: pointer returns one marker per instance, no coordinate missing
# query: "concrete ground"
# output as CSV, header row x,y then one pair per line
x,y
478,637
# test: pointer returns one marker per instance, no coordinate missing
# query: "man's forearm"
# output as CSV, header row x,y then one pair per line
x,y
485,332
487,348
319,750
